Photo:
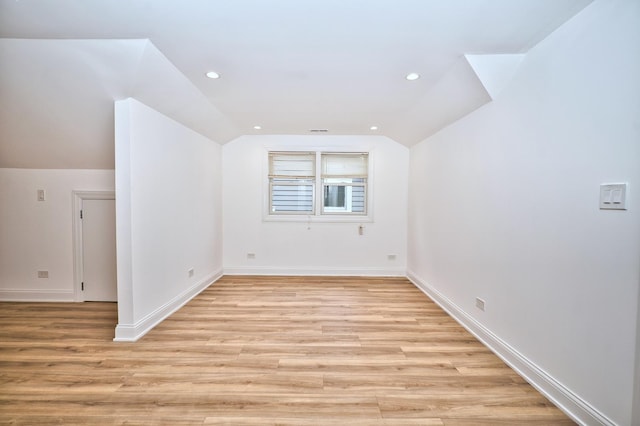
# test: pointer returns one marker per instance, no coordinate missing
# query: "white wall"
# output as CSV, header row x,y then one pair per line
x,y
504,206
37,235
168,213
313,248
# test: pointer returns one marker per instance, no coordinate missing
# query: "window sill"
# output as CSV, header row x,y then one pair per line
x,y
334,218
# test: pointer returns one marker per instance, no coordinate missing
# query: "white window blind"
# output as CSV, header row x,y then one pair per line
x,y
292,165
346,165
292,182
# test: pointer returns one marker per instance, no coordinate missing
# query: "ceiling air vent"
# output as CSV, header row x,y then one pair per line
x,y
319,130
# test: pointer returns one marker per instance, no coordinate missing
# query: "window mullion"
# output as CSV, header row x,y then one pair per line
x,y
318,197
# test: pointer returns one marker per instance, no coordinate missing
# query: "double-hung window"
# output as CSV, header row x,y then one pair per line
x,y
318,183
292,179
344,183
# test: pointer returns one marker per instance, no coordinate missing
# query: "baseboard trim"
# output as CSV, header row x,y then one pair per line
x,y
574,406
133,332
348,272
22,295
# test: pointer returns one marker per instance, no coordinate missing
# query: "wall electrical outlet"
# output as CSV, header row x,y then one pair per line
x,y
480,303
391,257
43,274
190,272
251,255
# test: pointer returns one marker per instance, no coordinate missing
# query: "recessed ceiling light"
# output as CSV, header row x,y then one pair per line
x,y
213,74
373,127
257,127
412,76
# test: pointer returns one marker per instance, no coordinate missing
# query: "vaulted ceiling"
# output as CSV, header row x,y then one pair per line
x,y
288,66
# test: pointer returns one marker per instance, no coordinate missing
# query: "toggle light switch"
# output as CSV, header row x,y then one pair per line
x,y
616,196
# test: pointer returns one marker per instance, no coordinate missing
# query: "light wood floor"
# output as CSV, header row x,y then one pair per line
x,y
262,350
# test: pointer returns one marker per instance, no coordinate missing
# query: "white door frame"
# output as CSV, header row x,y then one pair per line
x,y
78,270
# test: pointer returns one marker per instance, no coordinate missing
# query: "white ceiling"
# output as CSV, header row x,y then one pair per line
x,y
286,65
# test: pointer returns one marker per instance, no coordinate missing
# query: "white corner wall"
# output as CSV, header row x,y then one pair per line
x,y
302,248
38,235
168,214
504,206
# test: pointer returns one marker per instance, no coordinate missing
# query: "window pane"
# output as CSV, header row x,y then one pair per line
x,y
291,198
358,199
344,199
334,196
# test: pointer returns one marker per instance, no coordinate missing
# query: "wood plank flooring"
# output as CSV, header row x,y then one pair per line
x,y
262,350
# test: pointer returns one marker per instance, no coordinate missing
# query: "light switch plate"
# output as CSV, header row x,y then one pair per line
x,y
613,196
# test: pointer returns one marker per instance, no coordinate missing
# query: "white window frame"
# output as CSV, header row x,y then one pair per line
x,y
318,216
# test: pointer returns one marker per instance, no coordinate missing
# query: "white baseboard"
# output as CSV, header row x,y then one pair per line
x,y
348,272
574,406
133,332
21,295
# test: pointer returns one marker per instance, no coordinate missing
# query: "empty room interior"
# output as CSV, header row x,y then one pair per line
x,y
309,212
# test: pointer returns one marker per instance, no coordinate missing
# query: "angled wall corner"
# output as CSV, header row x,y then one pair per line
x,y
458,93
179,98
495,71
72,108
